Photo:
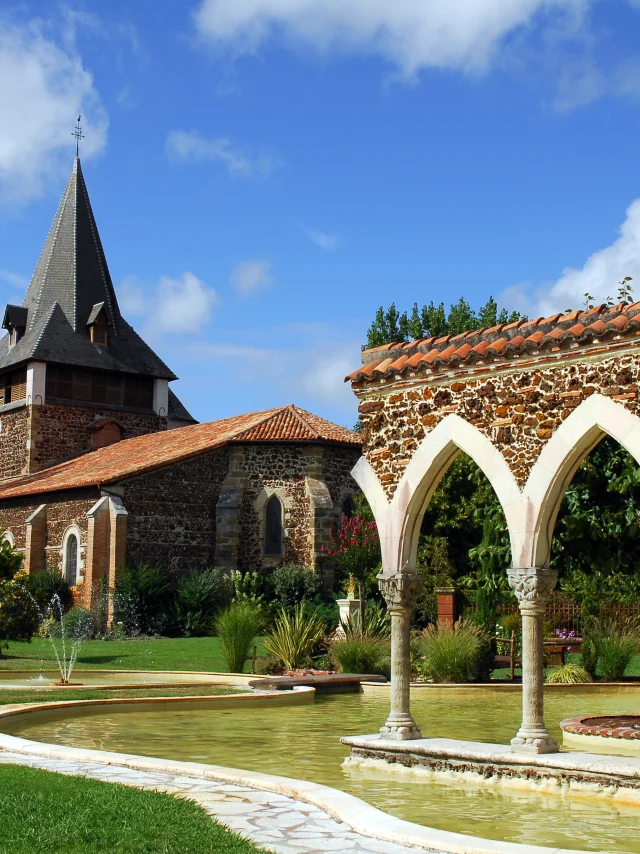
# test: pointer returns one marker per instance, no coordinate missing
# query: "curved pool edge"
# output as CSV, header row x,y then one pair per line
x,y
354,812
192,679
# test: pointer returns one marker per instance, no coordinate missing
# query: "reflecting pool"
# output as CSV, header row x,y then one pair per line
x,y
92,678
303,742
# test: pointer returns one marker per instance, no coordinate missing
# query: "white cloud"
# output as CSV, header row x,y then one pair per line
x,y
251,276
173,306
598,276
411,34
190,146
14,280
43,87
323,239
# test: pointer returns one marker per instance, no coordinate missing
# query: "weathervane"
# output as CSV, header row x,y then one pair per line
x,y
77,133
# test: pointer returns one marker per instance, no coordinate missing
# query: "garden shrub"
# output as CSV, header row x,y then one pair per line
x,y
78,623
367,654
237,627
294,635
248,586
293,584
200,595
46,584
142,600
452,654
19,616
616,642
377,623
568,674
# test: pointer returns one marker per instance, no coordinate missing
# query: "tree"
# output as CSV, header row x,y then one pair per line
x,y
19,616
432,321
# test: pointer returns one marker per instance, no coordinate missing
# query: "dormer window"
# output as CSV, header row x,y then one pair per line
x,y
98,324
15,322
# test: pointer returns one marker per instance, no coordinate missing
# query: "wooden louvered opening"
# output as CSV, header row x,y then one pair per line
x,y
13,386
99,334
96,387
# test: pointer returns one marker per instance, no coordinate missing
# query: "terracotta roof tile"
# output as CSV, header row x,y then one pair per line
x,y
558,332
132,457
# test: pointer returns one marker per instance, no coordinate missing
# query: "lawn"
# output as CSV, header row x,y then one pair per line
x,y
133,654
48,812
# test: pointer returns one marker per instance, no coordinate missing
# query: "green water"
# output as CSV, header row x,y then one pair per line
x,y
303,742
45,678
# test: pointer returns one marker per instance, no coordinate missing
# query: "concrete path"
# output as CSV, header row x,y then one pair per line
x,y
274,822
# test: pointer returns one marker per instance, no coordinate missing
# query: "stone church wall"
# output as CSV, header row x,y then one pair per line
x,y
172,513
60,431
517,409
14,435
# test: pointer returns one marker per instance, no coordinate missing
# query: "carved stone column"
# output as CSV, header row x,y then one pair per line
x,y
401,591
533,587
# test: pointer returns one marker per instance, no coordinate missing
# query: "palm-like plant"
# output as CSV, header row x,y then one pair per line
x,y
294,635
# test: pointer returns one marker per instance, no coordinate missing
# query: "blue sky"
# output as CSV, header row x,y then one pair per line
x,y
266,173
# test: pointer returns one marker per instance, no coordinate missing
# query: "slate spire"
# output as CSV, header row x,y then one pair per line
x,y
72,269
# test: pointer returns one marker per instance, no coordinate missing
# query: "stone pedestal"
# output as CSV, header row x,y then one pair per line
x,y
401,591
533,587
349,612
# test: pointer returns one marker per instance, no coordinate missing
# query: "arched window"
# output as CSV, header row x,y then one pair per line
x,y
71,559
273,528
348,507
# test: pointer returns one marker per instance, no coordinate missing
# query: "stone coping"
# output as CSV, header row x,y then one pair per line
x,y
593,725
575,687
208,678
329,683
298,696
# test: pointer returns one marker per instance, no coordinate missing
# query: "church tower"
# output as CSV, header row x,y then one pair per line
x,y
74,375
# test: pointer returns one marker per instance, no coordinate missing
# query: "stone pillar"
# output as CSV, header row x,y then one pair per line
x,y
349,610
533,587
446,607
36,541
228,512
401,591
118,517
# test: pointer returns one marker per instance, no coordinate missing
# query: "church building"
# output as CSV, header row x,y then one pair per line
x,y
102,467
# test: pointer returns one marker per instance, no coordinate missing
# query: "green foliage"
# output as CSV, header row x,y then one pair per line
x,y
237,626
200,595
44,585
294,635
616,642
366,654
451,655
78,623
293,584
568,674
19,616
377,623
432,320
248,586
36,816
143,600
10,561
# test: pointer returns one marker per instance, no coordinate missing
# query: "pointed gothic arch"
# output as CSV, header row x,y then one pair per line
x,y
592,420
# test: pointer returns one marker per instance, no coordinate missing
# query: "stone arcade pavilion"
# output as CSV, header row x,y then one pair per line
x,y
102,466
527,402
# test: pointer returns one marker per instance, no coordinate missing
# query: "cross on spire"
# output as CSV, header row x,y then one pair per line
x,y
77,133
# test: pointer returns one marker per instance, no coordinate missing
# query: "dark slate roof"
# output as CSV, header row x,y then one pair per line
x,y
70,280
177,409
15,316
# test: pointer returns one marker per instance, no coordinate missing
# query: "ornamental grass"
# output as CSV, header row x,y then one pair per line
x,y
568,674
294,635
237,627
450,654
616,642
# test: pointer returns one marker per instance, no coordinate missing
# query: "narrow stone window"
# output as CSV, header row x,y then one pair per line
x,y
71,560
273,534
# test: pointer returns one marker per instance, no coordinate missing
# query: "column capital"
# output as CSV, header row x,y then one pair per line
x,y
400,589
532,586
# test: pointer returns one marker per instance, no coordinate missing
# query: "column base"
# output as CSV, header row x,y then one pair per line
x,y
534,741
400,729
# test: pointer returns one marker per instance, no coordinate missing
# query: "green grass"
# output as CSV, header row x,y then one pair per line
x,y
136,654
41,811
633,671
57,695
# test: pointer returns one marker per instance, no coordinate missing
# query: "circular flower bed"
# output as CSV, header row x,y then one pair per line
x,y
609,726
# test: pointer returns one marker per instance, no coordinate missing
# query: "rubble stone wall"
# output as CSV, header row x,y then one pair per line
x,y
518,409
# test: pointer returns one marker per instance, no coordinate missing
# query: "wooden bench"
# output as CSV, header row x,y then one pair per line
x,y
556,647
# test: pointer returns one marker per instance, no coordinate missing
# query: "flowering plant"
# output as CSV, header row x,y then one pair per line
x,y
355,547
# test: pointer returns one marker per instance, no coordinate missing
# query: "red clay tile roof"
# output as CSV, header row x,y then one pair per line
x,y
135,456
556,334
